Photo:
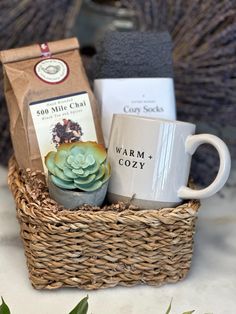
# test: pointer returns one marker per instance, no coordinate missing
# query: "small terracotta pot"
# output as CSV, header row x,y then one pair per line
x,y
73,199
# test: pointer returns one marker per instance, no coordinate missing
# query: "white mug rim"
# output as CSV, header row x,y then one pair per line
x,y
153,119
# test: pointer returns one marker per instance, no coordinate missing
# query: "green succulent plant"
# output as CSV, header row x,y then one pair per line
x,y
80,165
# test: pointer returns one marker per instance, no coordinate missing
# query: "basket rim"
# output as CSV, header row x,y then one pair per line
x,y
114,213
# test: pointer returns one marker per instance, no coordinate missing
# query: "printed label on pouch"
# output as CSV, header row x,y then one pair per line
x,y
52,70
61,120
150,97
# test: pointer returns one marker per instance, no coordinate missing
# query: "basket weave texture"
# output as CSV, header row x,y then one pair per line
x,y
92,248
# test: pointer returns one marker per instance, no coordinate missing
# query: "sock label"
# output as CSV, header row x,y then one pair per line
x,y
150,97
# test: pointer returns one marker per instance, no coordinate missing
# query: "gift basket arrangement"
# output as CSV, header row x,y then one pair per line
x,y
101,177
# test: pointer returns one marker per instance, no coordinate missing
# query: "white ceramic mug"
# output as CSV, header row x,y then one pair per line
x,y
150,161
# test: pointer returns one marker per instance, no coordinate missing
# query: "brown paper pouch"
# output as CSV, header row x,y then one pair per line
x,y
46,89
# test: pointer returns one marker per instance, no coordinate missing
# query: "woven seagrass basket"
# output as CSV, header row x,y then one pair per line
x,y
92,247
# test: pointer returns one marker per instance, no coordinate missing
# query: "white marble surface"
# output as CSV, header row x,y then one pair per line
x,y
210,286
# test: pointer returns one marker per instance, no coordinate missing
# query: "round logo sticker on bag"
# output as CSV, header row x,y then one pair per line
x,y
52,70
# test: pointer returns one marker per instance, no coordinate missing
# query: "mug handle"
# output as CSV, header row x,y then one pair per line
x,y
191,144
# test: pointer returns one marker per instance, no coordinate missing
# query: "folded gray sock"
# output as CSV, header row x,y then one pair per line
x,y
133,55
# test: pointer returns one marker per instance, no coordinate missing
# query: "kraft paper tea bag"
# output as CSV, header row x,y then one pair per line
x,y
49,100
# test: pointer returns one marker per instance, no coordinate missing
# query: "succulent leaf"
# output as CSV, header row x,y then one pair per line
x,y
107,173
60,159
76,149
97,150
90,187
60,174
100,173
93,168
80,165
62,184
49,162
69,173
80,172
70,159
90,159
86,180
